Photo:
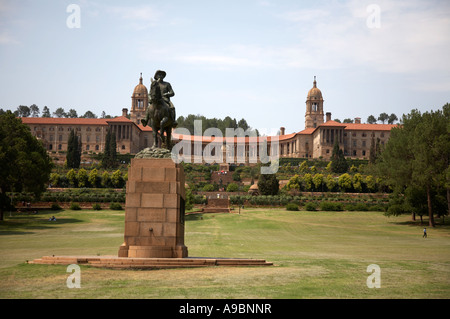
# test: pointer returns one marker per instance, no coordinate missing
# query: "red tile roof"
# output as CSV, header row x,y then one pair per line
x,y
63,121
333,123
369,127
307,131
120,119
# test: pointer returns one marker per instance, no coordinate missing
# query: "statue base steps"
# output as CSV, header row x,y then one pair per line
x,y
147,263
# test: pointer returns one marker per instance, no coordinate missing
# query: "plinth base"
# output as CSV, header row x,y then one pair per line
x,y
153,251
147,263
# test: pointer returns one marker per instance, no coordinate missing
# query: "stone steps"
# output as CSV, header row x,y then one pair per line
x,y
148,263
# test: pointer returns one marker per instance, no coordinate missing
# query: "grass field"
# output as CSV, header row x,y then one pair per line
x,y
315,255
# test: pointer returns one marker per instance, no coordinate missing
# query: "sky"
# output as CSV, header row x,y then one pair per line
x,y
251,59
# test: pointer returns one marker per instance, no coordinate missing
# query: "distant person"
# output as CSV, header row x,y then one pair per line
x,y
424,233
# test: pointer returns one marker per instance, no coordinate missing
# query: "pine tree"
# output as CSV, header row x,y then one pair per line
x,y
110,154
338,162
73,157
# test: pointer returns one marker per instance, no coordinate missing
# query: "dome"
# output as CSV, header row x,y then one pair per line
x,y
140,88
314,93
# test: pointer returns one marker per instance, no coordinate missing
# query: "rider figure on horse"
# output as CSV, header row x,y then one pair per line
x,y
166,92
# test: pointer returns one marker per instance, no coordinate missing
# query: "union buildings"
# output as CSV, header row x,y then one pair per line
x,y
315,141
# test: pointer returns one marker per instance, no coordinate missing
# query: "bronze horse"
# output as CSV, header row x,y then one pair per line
x,y
158,118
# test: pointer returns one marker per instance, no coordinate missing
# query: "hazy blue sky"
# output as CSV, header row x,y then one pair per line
x,y
252,59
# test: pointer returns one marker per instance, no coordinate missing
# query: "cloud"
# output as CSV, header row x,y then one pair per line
x,y
138,17
6,38
411,36
411,39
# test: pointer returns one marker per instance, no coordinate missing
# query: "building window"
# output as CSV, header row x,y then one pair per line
x,y
123,147
87,147
364,143
59,147
50,147
364,153
354,153
354,143
97,147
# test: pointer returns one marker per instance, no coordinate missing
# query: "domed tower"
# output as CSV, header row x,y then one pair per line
x,y
139,102
314,107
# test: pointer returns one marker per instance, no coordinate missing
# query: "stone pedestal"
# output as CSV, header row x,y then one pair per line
x,y
154,210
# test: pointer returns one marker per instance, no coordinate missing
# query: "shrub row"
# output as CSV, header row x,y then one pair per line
x,y
283,200
69,196
336,207
96,206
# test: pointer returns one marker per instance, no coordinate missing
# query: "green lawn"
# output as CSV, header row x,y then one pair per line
x,y
315,255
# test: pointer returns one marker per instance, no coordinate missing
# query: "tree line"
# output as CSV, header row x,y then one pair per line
x,y
222,124
34,111
371,119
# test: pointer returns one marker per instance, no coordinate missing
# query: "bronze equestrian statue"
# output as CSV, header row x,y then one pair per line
x,y
160,115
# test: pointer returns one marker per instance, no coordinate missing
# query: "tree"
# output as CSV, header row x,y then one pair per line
x,y
268,184
73,157
82,178
46,112
89,115
370,183
59,112
330,182
72,114
232,187
383,117
93,177
34,109
109,158
303,166
105,179
308,182
24,162
345,182
417,155
338,162
348,121
117,179
72,177
243,124
318,181
375,150
371,119
392,118
23,111
357,182
294,183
